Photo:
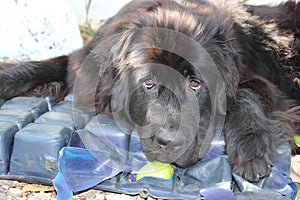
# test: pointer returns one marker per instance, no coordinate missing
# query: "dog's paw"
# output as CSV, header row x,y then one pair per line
x,y
252,158
255,169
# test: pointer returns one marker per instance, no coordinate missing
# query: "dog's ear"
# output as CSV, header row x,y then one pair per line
x,y
99,76
86,83
94,80
120,96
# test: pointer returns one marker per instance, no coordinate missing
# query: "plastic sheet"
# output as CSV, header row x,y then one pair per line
x,y
64,119
34,105
107,155
19,117
35,150
67,107
31,141
211,178
7,133
1,102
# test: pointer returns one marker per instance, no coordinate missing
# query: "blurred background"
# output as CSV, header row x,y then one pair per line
x,y
105,8
42,29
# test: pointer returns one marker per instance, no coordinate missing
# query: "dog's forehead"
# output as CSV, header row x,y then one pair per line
x,y
164,61
161,71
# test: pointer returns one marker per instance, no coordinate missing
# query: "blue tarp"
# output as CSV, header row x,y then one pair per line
x,y
111,158
78,152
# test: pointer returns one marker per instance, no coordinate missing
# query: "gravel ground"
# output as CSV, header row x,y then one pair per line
x,y
14,190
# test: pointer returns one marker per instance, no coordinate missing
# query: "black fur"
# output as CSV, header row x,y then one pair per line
x,y
123,72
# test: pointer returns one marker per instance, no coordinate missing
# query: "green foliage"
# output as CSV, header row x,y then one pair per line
x,y
87,33
87,9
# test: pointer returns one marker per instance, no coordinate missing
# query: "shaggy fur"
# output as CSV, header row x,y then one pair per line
x,y
122,72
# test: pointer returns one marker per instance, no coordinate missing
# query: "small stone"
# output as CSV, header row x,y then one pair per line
x,y
2,196
91,194
109,196
125,197
6,187
2,190
150,198
80,197
15,191
139,198
37,188
34,198
9,183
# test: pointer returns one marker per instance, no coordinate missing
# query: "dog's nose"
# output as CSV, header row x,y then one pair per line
x,y
164,138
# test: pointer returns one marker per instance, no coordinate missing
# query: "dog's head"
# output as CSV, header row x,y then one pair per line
x,y
167,77
172,95
171,109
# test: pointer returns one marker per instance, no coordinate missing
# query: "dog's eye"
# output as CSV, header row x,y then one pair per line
x,y
149,84
195,84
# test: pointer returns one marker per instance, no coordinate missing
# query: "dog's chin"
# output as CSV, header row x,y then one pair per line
x,y
179,156
156,152
154,156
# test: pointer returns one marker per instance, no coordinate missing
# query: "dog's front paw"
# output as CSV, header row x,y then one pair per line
x,y
254,169
251,157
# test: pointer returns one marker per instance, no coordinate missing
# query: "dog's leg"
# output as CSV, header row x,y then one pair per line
x,y
252,136
20,78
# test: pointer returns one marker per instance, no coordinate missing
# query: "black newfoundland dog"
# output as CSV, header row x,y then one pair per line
x,y
182,72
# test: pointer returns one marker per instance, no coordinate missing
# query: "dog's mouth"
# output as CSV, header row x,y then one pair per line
x,y
171,152
159,154
167,145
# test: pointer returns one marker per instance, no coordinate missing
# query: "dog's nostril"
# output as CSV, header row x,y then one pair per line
x,y
164,138
163,141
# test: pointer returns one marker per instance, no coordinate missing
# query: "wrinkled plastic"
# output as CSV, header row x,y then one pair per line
x,y
7,133
278,180
35,150
64,119
1,102
112,158
34,105
67,107
107,155
32,153
19,117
